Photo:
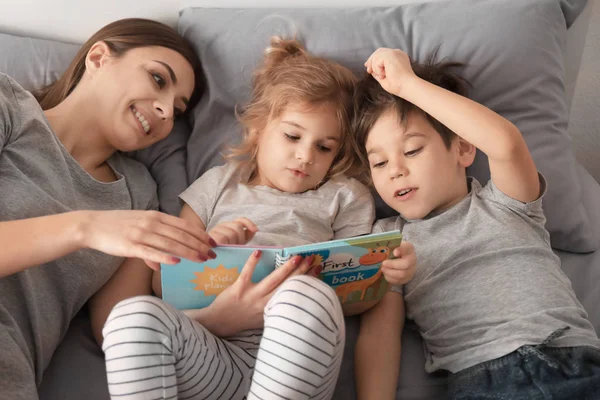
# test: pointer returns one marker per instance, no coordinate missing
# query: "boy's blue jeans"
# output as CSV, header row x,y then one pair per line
x,y
532,373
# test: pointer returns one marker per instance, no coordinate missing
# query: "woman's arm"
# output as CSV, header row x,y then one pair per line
x,y
150,235
35,241
133,278
377,357
239,231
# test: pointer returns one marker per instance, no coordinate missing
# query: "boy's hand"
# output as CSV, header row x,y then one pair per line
x,y
401,269
238,231
391,68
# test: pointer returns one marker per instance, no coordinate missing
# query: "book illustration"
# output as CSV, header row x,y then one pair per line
x,y
375,256
191,284
352,267
212,281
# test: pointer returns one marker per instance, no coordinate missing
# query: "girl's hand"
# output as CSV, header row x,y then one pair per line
x,y
391,68
401,269
241,306
238,231
153,236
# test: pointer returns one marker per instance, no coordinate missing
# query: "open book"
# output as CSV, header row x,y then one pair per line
x,y
352,267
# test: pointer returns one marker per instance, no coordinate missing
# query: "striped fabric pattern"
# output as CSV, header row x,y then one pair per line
x,y
156,352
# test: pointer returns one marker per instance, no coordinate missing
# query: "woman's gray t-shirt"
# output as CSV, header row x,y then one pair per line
x,y
39,177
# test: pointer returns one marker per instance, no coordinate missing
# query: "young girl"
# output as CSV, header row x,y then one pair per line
x,y
286,185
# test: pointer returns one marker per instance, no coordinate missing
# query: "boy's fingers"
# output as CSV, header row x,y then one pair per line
x,y
396,276
396,264
407,247
381,70
404,249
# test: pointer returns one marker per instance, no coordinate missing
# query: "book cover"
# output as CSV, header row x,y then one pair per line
x,y
352,267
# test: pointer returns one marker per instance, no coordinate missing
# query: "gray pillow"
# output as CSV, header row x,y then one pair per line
x,y
514,51
35,63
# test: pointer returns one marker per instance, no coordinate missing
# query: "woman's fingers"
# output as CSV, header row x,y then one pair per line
x,y
153,265
276,278
245,277
165,244
304,267
315,270
184,225
153,256
197,247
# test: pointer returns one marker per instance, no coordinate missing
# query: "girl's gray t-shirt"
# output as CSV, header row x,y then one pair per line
x,y
39,177
340,208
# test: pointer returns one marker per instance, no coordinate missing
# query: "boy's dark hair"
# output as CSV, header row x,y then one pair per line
x,y
371,100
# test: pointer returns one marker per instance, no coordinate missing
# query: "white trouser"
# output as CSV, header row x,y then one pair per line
x,y
156,352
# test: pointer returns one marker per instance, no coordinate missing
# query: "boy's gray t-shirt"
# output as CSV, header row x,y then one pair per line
x,y
39,177
340,208
487,281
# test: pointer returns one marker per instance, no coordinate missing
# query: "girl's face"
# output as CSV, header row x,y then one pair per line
x,y
138,94
295,150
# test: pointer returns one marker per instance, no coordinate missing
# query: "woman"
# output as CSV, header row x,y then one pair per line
x,y
73,210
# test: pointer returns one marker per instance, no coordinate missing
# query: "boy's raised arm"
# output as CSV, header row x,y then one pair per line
x,y
512,168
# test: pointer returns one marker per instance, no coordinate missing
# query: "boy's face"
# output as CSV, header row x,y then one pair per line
x,y
412,169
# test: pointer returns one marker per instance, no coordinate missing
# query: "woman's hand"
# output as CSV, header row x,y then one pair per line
x,y
241,306
401,269
238,231
153,236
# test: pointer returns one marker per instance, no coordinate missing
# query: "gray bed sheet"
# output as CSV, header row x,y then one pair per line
x,y
77,368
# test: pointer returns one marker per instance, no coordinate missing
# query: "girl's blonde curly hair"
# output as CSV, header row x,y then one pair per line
x,y
289,75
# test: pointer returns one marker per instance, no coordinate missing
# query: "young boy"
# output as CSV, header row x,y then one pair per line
x,y
489,297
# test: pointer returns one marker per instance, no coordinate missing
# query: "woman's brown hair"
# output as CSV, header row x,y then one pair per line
x,y
121,36
289,75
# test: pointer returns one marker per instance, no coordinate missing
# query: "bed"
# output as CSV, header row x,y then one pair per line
x,y
523,58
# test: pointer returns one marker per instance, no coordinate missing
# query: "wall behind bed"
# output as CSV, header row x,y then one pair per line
x,y
75,20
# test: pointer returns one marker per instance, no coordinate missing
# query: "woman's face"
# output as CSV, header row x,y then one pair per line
x,y
139,94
